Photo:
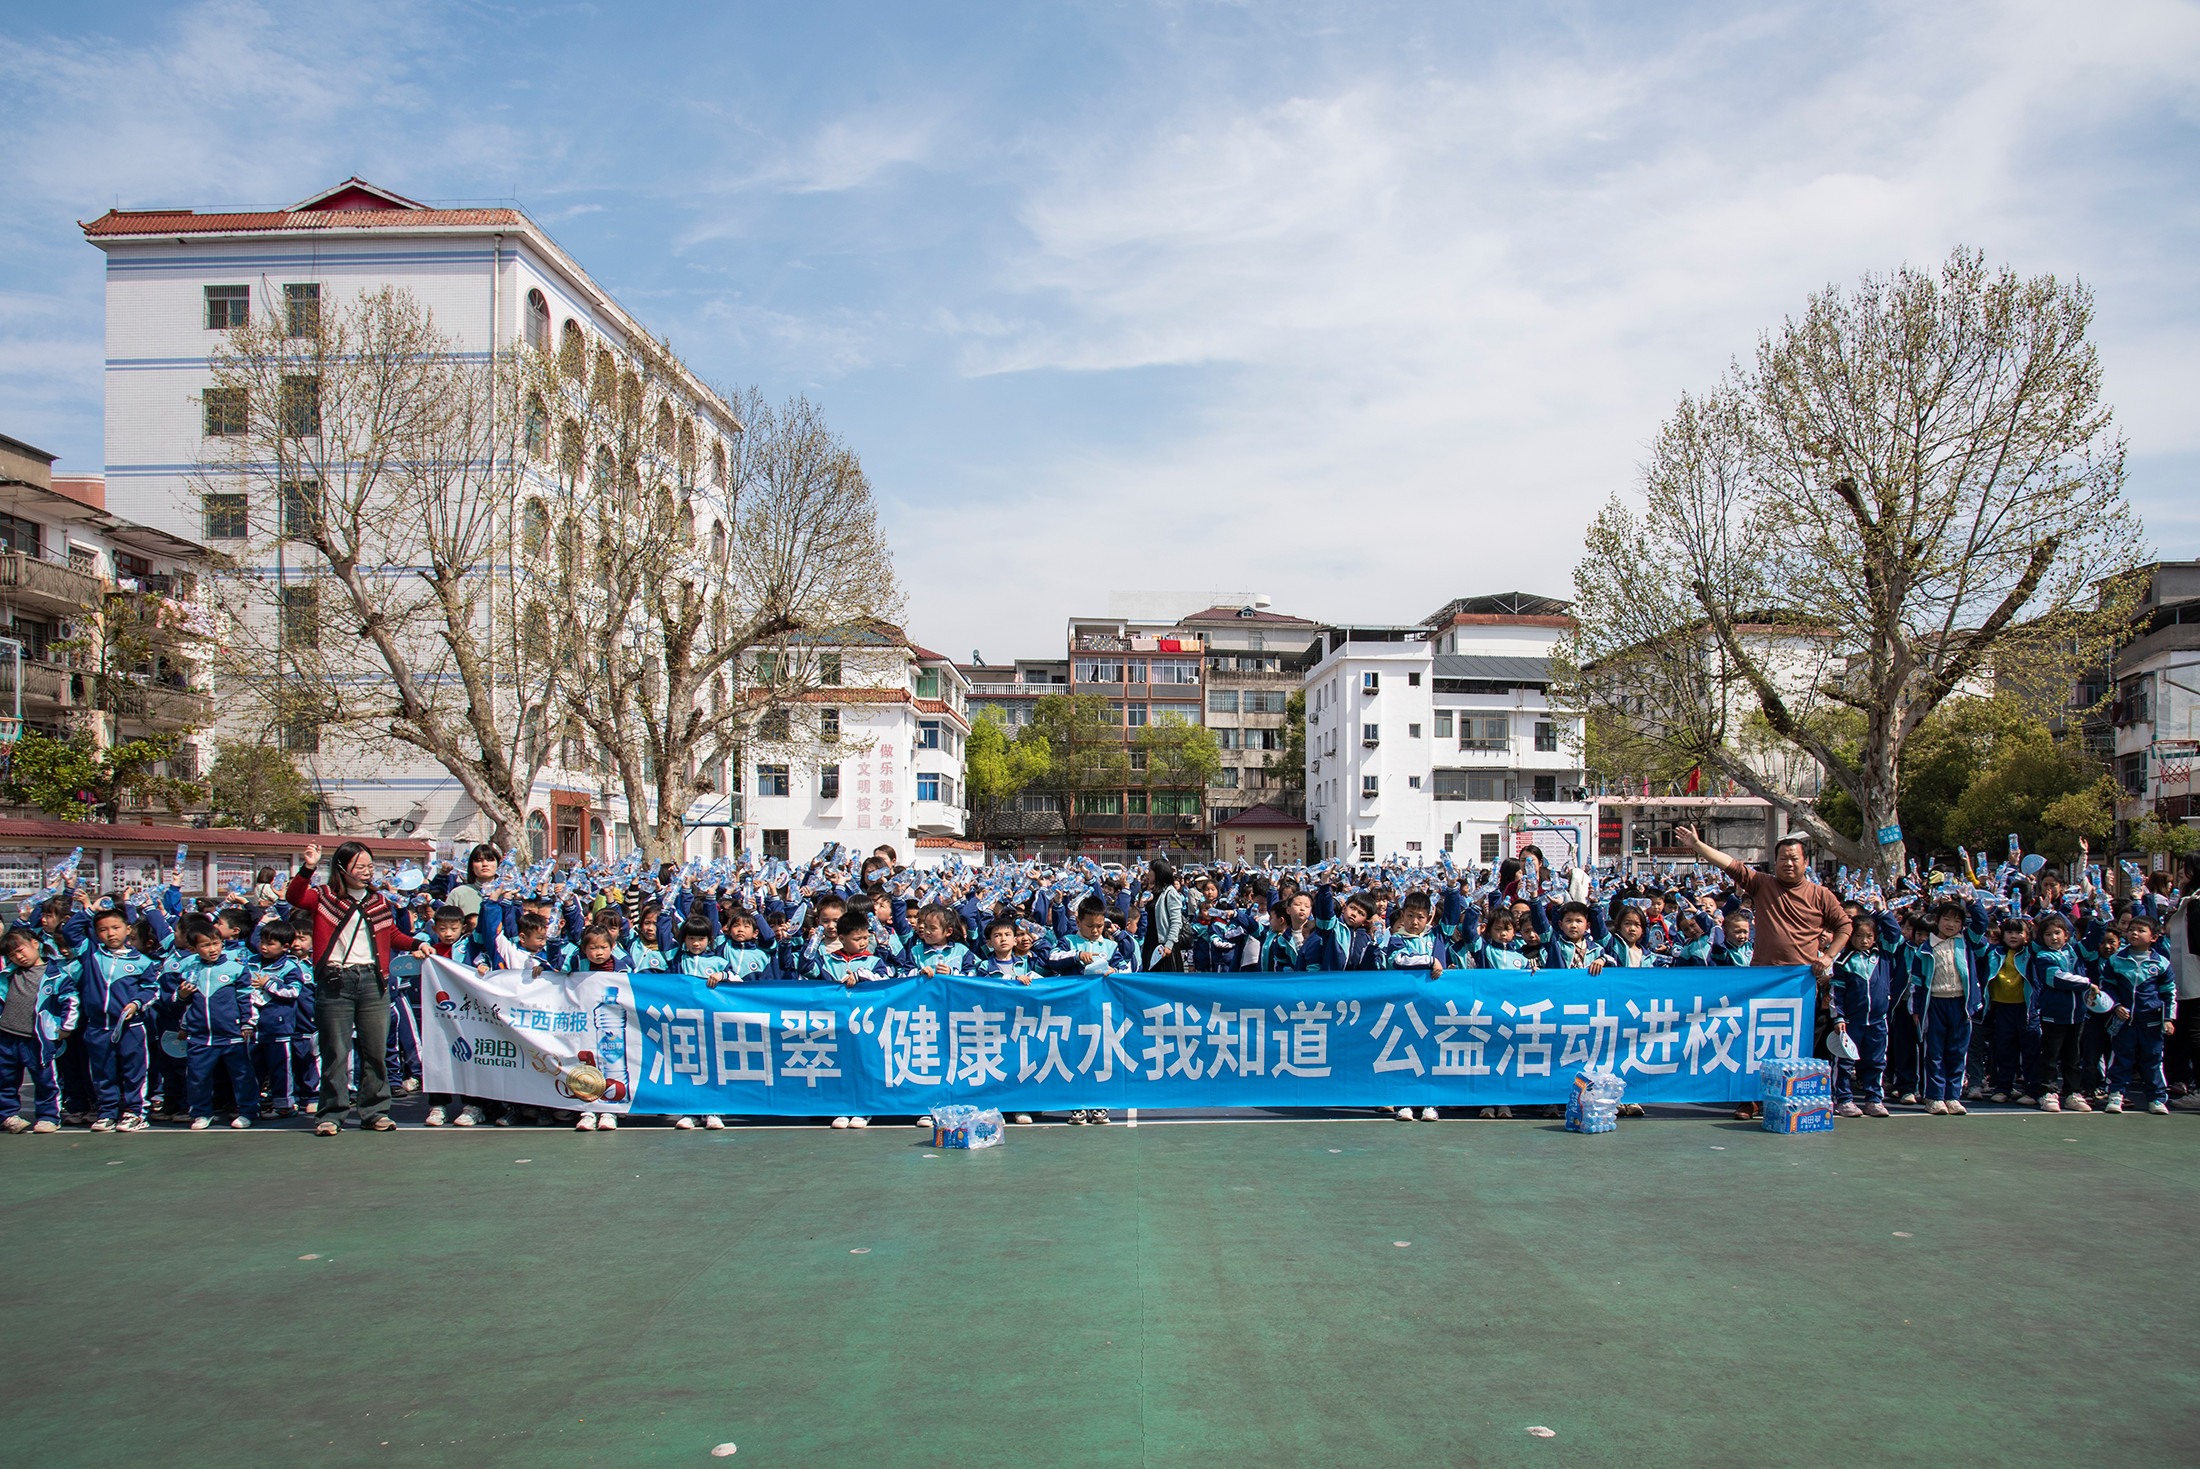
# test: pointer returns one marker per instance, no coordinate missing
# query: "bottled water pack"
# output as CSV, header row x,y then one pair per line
x,y
1593,1103
1804,1077
967,1127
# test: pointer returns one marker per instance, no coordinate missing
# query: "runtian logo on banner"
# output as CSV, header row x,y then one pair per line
x,y
669,1044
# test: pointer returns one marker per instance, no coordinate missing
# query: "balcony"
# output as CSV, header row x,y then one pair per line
x,y
50,686
162,705
48,586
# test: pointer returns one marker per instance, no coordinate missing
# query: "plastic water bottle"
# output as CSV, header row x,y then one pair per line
x,y
610,1019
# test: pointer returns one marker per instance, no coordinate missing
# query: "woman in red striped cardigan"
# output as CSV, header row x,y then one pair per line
x,y
354,937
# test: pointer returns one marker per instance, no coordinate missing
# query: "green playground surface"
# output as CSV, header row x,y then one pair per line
x,y
1999,1289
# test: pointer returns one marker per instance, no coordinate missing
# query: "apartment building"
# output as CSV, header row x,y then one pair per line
x,y
1248,690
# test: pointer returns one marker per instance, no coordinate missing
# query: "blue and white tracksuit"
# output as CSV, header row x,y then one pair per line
x,y
214,1019
54,1015
109,982
286,1047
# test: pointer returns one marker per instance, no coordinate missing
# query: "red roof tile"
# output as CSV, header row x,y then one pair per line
x,y
117,223
1233,614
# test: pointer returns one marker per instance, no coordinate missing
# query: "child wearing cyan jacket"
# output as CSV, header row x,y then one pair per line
x,y
2056,987
1863,993
38,1009
279,982
2144,986
214,1002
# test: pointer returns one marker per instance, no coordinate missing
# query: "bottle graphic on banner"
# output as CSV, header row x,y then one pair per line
x,y
610,1025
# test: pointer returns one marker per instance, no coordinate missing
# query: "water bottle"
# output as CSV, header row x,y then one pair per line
x,y
610,1021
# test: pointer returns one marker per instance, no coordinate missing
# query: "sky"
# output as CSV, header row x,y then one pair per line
x,y
1363,306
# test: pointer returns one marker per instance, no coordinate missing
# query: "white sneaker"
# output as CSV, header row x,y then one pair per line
x,y
2158,1107
1504,1114
2189,1102
2050,1103
240,1122
2115,1102
1403,1114
1428,1114
859,1122
1098,1116
608,1122
1487,1114
714,1124
840,1124
684,1124
1023,1119
470,1116
587,1123
925,1122
1936,1108
434,1117
1956,1109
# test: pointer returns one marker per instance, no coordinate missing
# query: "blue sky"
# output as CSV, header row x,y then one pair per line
x,y
1364,306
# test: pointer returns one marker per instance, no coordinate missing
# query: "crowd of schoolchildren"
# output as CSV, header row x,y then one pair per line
x,y
144,1007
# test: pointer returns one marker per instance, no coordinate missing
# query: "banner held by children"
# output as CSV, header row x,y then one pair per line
x,y
669,1043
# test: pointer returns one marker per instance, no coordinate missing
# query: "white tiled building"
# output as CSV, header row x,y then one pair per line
x,y
493,279
1440,737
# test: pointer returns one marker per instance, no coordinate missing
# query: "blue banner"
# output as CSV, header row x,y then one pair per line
x,y
1470,1037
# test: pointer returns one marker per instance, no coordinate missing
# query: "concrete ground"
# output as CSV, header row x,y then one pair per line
x,y
2004,1288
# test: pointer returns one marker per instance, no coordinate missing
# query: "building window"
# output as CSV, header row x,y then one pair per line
x,y
302,737
534,527
828,670
538,836
1413,782
928,734
1370,787
828,726
1256,642
1367,848
1413,681
1099,803
1413,731
1371,734
130,565
18,534
1227,778
1370,683
225,412
224,517
227,307
771,780
928,683
775,845
537,432
1271,702
1489,848
538,321
1227,739
1485,732
1546,735
301,406
1546,788
2131,773
767,668
1176,803
1097,670
772,726
301,507
572,352
928,786
1222,701
1443,724
302,310
828,783
1176,671
1135,714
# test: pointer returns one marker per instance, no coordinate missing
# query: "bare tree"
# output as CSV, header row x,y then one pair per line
x,y
370,468
1913,491
693,569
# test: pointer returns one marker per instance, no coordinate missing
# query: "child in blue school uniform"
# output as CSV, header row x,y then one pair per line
x,y
1863,994
38,1009
1948,995
214,1002
2143,984
288,1070
117,987
2056,988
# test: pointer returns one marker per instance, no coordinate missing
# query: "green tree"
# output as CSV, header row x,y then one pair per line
x,y
2176,838
1938,764
2089,814
2027,772
997,766
1090,758
1913,487
258,788
59,777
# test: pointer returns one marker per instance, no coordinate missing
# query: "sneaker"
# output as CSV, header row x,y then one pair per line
x,y
43,1125
1848,1109
2024,1099
840,1124
1428,1114
412,1083
1487,1114
469,1116
131,1122
2000,1099
1402,1114
608,1122
2115,1102
1631,1109
2050,1103
859,1122
1077,1119
587,1123
16,1124
1907,1099
286,1111
924,1123
434,1117
103,1124
1876,1109
1504,1114
1955,1109
1023,1119
2076,1102
504,1118
240,1122
684,1124
1936,1108
1973,1093
714,1124
2189,1102
200,1124
2158,1107
1098,1116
